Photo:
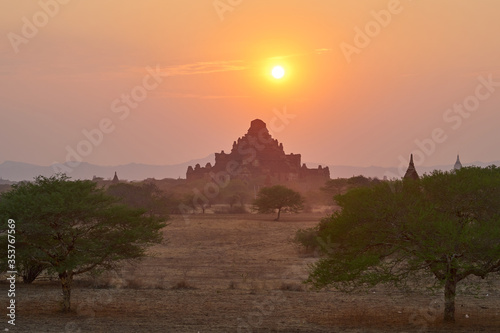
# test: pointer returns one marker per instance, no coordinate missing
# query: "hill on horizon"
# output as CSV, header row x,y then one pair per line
x,y
18,171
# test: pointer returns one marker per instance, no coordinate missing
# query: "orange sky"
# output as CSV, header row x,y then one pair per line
x,y
363,108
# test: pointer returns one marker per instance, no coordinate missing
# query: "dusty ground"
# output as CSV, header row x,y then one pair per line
x,y
237,274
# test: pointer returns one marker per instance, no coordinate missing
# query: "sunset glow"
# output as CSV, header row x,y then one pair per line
x,y
251,143
176,79
278,72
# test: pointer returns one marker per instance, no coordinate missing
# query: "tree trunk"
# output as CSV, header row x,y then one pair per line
x,y
279,212
66,281
449,299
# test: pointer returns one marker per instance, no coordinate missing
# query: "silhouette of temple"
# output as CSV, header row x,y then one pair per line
x,y
258,157
411,172
115,179
458,164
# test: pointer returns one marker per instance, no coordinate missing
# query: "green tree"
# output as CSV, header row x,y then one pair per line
x,y
278,198
446,225
73,227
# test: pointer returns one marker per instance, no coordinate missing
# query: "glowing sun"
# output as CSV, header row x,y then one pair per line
x,y
278,72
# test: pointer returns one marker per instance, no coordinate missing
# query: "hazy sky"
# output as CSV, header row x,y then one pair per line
x,y
365,80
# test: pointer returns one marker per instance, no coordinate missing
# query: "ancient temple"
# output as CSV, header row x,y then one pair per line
x,y
258,157
411,172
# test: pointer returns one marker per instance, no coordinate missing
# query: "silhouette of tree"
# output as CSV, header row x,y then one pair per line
x,y
278,199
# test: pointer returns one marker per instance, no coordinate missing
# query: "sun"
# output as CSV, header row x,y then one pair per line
x,y
278,72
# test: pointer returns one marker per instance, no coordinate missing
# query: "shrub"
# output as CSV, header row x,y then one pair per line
x,y
307,238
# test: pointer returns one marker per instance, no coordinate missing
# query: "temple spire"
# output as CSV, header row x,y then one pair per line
x,y
458,164
115,179
411,173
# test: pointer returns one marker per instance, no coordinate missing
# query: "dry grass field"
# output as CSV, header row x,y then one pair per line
x,y
237,273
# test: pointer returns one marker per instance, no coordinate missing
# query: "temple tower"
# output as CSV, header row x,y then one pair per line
x,y
411,173
458,164
258,157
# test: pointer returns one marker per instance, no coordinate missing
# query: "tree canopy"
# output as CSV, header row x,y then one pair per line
x,y
73,227
447,225
278,199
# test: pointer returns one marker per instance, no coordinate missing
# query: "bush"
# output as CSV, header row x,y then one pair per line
x,y
308,238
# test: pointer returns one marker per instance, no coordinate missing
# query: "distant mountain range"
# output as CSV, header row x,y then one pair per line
x,y
17,171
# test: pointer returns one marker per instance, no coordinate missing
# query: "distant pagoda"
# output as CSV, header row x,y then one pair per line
x,y
458,164
115,179
411,172
258,157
